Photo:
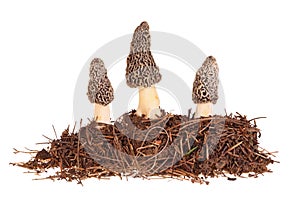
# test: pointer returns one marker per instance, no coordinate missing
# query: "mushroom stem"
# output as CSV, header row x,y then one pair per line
x,y
148,102
203,110
102,113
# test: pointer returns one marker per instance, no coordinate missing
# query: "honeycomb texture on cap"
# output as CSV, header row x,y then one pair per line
x,y
97,69
100,90
141,70
205,86
141,40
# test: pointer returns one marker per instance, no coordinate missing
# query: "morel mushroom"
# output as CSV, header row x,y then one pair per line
x,y
205,87
100,91
142,72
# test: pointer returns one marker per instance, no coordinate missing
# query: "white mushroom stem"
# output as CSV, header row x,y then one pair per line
x,y
102,113
203,110
148,102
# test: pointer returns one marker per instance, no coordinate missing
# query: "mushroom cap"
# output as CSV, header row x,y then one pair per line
x,y
141,70
141,40
205,86
97,69
100,90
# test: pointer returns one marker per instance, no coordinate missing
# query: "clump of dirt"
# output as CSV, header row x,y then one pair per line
x,y
171,146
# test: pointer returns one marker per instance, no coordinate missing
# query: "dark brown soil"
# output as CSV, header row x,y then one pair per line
x,y
171,146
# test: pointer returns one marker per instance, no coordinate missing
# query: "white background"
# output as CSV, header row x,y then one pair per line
x,y
43,47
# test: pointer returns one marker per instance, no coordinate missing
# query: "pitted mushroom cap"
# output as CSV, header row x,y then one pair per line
x,y
100,90
141,39
141,70
205,86
97,69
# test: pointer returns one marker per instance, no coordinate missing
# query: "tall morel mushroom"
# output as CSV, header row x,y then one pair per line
x,y
142,72
205,87
100,91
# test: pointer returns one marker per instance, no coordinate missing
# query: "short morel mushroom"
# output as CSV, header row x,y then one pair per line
x,y
205,87
142,72
100,91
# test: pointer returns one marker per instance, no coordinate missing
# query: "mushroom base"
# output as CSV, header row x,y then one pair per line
x,y
203,110
148,103
102,113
